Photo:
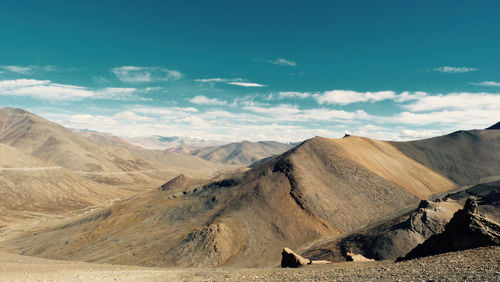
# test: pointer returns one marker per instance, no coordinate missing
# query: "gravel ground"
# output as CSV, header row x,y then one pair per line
x,y
482,264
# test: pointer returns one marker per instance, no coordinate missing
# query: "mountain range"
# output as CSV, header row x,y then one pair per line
x,y
303,197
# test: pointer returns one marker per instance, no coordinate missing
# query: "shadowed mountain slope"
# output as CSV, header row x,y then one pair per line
x,y
322,188
241,153
463,156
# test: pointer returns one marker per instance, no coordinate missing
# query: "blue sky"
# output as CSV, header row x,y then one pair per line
x,y
255,70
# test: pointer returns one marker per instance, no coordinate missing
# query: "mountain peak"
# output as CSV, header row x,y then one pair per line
x,y
495,126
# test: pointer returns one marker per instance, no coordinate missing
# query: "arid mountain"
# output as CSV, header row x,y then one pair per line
x,y
56,144
241,153
465,157
100,157
33,185
105,138
322,188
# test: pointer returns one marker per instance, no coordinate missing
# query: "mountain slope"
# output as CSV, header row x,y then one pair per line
x,y
31,184
241,153
316,190
463,156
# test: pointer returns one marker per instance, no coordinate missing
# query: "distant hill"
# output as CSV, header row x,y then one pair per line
x,y
241,153
463,156
322,188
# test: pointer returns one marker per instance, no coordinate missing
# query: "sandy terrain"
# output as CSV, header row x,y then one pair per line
x,y
472,265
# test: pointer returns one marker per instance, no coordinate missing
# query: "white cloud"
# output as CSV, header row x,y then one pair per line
x,y
457,119
409,134
215,79
292,94
45,89
246,84
448,69
129,115
344,97
231,81
27,69
282,62
135,74
487,83
203,100
407,96
462,101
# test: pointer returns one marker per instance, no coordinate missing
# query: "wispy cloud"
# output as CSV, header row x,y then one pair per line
x,y
448,69
210,80
47,90
487,83
27,69
345,97
135,74
131,116
293,94
203,100
282,62
246,84
231,81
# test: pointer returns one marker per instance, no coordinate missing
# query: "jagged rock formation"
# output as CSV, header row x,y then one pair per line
x,y
291,259
466,230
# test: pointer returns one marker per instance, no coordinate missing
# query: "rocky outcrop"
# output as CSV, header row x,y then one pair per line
x,y
466,230
291,259
357,257
180,181
389,239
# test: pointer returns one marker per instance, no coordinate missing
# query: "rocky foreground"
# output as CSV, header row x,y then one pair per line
x,y
482,264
